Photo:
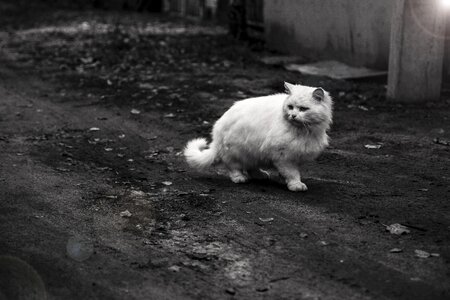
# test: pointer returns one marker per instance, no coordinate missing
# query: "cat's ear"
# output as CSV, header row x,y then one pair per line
x,y
318,94
289,87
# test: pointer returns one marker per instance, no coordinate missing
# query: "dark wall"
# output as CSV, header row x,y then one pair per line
x,y
135,5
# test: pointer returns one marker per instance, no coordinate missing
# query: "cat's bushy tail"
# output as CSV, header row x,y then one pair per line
x,y
198,155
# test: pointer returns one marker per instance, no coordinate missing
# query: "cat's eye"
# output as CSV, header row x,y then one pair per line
x,y
290,107
303,108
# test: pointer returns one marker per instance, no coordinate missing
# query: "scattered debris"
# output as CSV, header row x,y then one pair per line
x,y
167,183
265,220
441,142
323,243
435,254
370,146
108,149
111,196
87,60
125,214
334,69
422,254
303,235
146,86
121,136
169,115
396,250
174,268
397,229
135,111
137,193
94,129
423,190
230,291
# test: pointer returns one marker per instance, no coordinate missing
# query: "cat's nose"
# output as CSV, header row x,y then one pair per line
x,y
294,116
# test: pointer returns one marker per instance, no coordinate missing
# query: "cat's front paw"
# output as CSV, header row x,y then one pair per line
x,y
297,186
238,178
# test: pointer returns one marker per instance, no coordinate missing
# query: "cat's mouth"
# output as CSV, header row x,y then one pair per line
x,y
302,124
299,123
296,121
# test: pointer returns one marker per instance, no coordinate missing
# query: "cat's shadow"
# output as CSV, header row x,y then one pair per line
x,y
269,185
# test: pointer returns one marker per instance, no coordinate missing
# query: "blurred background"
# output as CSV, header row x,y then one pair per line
x,y
98,99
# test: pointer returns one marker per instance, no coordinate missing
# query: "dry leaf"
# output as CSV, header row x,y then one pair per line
x,y
397,229
125,214
174,268
421,253
369,146
265,220
145,86
396,250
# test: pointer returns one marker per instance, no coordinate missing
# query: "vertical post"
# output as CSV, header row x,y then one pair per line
x,y
416,51
183,7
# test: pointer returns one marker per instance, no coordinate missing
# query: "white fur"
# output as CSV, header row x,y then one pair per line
x,y
197,154
268,132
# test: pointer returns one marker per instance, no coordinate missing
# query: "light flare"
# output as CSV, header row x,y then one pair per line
x,y
445,4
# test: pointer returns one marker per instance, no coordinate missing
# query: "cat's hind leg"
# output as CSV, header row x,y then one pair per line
x,y
291,174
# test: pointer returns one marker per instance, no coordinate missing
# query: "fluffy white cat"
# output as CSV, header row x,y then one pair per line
x,y
280,131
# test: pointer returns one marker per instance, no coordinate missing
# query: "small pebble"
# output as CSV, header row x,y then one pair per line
x,y
174,268
125,214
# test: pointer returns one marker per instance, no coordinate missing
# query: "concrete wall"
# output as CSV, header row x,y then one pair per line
x,y
353,31
201,9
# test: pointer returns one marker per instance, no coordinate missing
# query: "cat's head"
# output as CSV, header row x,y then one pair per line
x,y
307,107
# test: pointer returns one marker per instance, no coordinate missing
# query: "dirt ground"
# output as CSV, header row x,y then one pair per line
x,y
95,108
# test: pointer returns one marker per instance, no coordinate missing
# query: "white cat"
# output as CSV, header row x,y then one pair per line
x,y
280,131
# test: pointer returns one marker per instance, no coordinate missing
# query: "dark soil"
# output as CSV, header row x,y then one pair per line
x,y
193,235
